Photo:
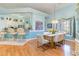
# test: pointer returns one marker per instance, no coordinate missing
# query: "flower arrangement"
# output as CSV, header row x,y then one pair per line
x,y
52,31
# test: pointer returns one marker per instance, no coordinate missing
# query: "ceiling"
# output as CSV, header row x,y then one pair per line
x,y
44,7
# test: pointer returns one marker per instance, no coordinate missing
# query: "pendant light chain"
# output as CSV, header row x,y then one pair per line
x,y
54,10
54,20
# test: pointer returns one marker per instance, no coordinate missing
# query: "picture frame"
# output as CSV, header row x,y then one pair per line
x,y
2,18
10,19
38,25
7,18
15,20
49,25
21,20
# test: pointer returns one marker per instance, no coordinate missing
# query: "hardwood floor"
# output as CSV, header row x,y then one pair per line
x,y
30,49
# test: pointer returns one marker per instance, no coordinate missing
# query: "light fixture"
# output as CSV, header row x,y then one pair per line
x,y
54,20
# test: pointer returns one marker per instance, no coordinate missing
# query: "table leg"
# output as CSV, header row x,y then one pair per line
x,y
52,44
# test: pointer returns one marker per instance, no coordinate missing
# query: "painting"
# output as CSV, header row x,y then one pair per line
x,y
20,26
9,19
39,25
49,25
21,21
16,20
2,18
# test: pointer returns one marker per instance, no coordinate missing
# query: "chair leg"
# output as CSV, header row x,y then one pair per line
x,y
38,44
58,44
62,42
55,45
42,46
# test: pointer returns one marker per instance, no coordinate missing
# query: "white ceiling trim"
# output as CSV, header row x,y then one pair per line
x,y
44,7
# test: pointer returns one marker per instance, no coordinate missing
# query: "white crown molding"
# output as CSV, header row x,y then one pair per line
x,y
21,10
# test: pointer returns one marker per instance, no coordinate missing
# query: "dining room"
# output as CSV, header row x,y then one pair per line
x,y
42,29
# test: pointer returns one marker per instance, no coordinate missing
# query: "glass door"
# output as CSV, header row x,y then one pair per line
x,y
69,28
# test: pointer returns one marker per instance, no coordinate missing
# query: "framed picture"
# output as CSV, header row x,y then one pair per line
x,y
21,20
20,26
2,18
15,20
49,25
27,22
39,25
9,19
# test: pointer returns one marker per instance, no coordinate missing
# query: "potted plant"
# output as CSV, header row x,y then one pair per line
x,y
52,31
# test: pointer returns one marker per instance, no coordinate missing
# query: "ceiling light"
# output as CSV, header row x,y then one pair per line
x,y
54,20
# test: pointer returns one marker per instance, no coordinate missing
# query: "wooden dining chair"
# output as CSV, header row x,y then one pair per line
x,y
59,39
41,42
